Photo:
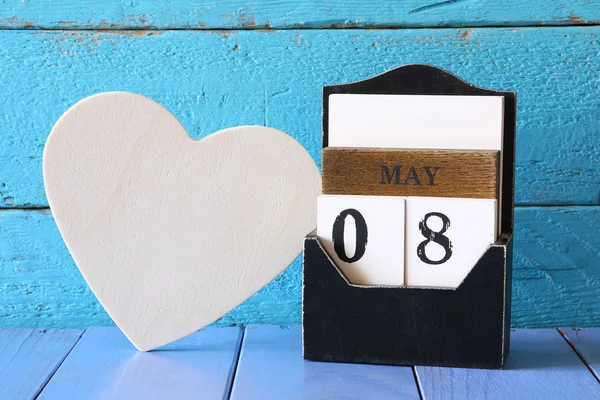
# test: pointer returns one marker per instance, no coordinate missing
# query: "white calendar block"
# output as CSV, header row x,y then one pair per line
x,y
443,122
445,237
364,235
416,121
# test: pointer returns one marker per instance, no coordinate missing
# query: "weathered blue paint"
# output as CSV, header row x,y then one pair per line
x,y
556,275
29,357
250,14
213,80
105,365
271,367
541,365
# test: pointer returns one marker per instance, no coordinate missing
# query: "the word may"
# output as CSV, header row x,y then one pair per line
x,y
394,177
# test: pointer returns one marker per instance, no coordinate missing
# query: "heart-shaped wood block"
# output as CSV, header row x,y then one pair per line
x,y
172,233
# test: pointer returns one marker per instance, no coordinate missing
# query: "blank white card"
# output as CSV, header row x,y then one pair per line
x,y
416,121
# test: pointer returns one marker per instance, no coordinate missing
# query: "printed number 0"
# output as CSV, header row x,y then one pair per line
x,y
361,235
436,237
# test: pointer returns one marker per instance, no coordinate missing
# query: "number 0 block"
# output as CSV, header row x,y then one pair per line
x,y
445,237
364,235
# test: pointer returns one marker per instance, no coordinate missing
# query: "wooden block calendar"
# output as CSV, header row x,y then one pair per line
x,y
411,260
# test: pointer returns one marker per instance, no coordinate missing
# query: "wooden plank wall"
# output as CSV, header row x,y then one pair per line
x,y
219,64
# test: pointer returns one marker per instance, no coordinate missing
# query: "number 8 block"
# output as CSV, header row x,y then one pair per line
x,y
364,235
445,237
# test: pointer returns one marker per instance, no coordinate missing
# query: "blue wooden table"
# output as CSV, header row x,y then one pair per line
x,y
265,362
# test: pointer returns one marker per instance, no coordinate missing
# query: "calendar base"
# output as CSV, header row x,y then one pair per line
x,y
467,327
464,327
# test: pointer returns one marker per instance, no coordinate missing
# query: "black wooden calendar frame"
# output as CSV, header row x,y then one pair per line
x,y
464,327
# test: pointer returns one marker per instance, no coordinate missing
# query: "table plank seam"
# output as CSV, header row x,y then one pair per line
x,y
234,369
417,383
30,373
18,349
581,357
51,375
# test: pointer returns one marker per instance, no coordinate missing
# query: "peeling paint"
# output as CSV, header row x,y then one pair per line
x,y
299,40
435,6
343,25
143,19
467,34
254,14
17,23
70,42
576,19
245,18
223,33
131,33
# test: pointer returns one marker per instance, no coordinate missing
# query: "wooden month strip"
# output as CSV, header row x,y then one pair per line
x,y
394,172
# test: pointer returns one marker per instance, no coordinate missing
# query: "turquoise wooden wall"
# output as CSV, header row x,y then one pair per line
x,y
218,64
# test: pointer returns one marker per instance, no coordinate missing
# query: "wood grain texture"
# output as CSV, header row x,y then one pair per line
x,y
172,233
252,14
556,277
29,357
541,365
271,367
278,81
104,365
556,268
395,172
586,343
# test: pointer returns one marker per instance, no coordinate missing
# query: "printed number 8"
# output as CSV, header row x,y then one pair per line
x,y
436,237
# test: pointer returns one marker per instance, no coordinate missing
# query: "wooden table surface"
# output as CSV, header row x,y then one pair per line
x,y
265,362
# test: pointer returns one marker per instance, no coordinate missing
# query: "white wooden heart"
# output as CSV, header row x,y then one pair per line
x,y
172,233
